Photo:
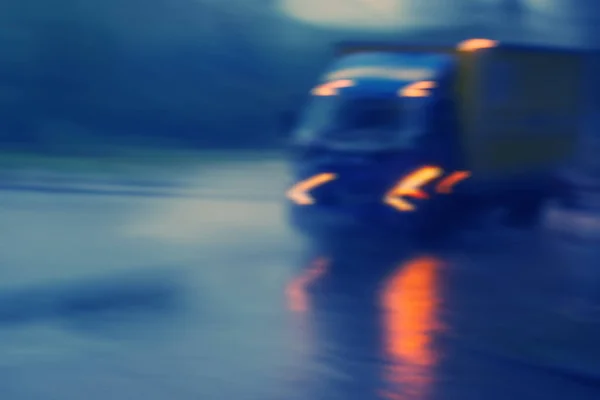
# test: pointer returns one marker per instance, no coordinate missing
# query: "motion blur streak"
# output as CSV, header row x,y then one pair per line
x,y
410,301
448,183
410,186
296,290
477,44
418,89
299,194
331,88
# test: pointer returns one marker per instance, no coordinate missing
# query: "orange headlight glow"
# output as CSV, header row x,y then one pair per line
x,y
299,192
331,88
410,186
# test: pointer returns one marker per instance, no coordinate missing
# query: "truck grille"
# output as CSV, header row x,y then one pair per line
x,y
357,193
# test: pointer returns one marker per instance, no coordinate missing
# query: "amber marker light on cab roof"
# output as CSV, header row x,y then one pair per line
x,y
411,186
331,88
417,89
477,44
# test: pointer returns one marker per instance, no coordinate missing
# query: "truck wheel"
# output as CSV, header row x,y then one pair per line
x,y
447,219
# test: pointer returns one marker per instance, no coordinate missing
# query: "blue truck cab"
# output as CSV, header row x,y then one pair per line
x,y
416,139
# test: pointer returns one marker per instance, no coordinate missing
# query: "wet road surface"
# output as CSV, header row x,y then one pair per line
x,y
214,297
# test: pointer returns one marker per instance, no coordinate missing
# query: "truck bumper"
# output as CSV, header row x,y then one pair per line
x,y
432,219
320,220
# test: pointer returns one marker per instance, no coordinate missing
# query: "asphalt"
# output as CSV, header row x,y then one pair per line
x,y
211,295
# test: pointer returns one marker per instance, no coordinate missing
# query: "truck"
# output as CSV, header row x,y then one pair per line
x,y
428,139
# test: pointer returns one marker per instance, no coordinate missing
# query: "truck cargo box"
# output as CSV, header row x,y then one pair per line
x,y
520,108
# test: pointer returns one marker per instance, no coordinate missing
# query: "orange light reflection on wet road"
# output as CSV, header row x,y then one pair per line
x,y
477,44
296,290
410,300
331,88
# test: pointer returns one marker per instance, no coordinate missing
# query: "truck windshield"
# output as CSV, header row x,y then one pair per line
x,y
365,122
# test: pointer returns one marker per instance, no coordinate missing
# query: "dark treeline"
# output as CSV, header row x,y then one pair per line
x,y
82,76
76,82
